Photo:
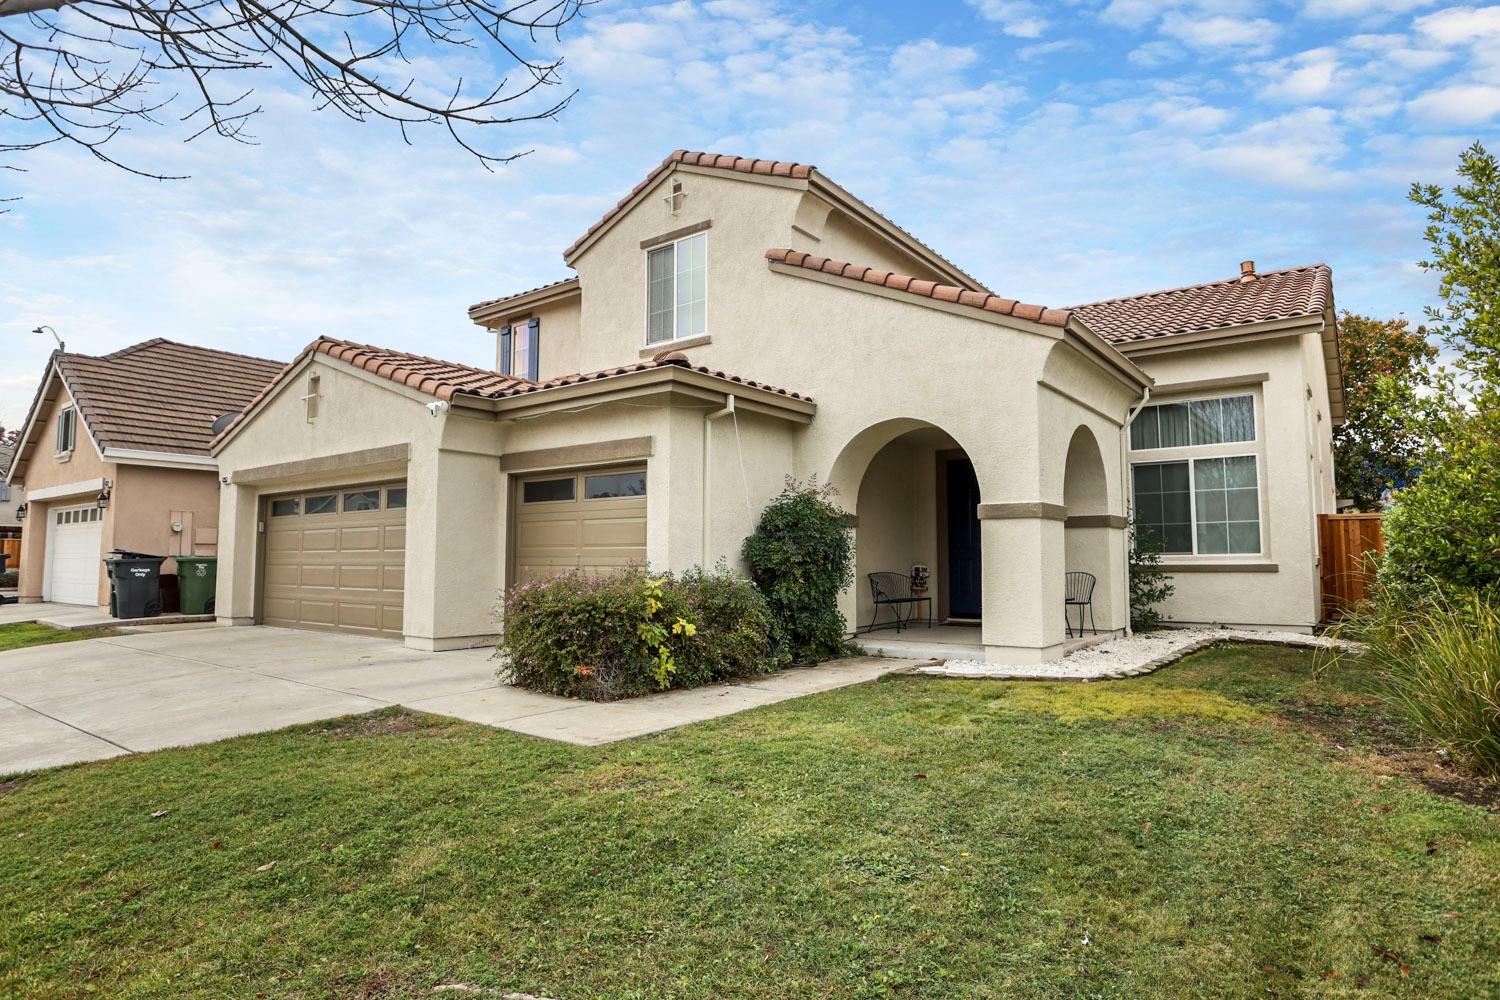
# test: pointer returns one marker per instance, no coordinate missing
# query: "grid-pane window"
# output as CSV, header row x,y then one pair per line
x,y
1163,505
1227,500
548,490
362,500
677,289
660,304
614,484
325,504
395,497
1221,420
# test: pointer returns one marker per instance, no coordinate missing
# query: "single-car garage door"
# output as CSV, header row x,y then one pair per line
x,y
74,562
335,559
592,520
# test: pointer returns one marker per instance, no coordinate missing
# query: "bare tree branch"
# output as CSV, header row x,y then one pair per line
x,y
82,72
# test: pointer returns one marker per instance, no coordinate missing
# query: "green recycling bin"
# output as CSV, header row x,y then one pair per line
x,y
196,579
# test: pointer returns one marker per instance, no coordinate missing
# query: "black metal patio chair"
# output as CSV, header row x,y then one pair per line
x,y
893,590
1078,592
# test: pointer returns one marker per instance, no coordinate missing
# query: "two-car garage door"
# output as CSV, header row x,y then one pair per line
x,y
335,559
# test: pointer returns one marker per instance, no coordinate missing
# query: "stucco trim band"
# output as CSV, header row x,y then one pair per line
x,y
1022,511
1220,568
66,489
1209,384
1096,521
596,453
676,234
324,463
652,350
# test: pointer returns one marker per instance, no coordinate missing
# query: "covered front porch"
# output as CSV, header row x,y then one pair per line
x,y
1007,582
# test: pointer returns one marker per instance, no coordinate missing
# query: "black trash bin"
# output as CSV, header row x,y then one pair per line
x,y
5,558
134,584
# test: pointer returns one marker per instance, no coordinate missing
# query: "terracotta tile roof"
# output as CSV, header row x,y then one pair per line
x,y
1272,295
983,301
161,395
739,164
516,295
446,379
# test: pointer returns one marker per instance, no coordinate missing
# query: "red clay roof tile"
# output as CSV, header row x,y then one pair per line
x,y
1271,295
920,287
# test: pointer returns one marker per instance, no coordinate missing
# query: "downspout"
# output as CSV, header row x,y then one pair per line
x,y
1124,487
708,472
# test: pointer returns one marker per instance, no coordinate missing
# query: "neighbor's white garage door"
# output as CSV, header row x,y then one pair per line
x,y
74,560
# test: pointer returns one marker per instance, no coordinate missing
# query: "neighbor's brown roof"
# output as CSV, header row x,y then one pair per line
x,y
446,379
921,287
1272,295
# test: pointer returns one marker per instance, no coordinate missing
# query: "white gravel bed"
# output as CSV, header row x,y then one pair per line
x,y
1122,657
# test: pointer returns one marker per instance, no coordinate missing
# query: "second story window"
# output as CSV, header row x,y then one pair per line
x,y
519,347
677,289
67,430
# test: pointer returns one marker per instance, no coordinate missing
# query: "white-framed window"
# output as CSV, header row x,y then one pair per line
x,y
1196,476
520,344
67,430
677,289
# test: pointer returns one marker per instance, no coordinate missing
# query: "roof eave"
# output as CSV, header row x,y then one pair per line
x,y
664,378
484,313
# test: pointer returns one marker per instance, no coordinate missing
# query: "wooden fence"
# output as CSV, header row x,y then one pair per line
x,y
1345,542
12,548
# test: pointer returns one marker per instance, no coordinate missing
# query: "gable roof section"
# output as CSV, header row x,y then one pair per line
x,y
1216,305
446,380
920,287
785,170
155,397
550,292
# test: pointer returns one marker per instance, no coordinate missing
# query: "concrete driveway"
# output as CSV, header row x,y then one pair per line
x,y
98,698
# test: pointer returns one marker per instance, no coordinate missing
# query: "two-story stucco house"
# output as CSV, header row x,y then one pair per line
x,y
732,322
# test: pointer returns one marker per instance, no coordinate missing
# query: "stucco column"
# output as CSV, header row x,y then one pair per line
x,y
33,553
1094,543
239,537
1023,557
455,516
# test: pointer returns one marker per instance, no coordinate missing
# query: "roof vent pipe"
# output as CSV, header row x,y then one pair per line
x,y
1247,270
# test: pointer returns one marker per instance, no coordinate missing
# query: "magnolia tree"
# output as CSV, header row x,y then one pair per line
x,y
79,73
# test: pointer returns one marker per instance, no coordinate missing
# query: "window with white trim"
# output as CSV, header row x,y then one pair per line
x,y
677,289
1202,495
67,429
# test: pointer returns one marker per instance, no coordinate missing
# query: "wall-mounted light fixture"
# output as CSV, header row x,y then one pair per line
x,y
21,512
102,500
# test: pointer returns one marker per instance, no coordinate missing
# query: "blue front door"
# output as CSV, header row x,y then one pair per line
x,y
964,571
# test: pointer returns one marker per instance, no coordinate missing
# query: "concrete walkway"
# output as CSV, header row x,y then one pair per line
x,y
98,698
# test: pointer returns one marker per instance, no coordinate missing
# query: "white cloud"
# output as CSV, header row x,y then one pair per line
x,y
928,58
1459,104
1299,150
1330,9
1305,77
1042,50
1015,17
1460,25
1154,55
1207,33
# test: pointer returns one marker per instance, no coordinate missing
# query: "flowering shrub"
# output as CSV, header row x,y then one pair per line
x,y
617,636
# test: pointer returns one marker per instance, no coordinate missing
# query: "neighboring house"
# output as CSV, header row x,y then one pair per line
x,y
114,454
11,496
647,409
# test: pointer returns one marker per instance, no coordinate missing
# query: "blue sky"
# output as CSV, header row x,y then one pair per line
x,y
1059,152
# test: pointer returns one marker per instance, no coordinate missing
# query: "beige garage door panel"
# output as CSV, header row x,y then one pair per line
x,y
562,527
332,566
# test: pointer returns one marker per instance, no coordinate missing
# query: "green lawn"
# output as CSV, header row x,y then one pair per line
x,y
32,634
1195,833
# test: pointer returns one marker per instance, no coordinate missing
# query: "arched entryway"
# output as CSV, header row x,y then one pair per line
x,y
915,497
1091,533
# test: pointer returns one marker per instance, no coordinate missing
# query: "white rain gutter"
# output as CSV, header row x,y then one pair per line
x,y
1124,492
708,473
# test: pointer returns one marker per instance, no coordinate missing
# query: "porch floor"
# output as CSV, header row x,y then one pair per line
x,y
945,642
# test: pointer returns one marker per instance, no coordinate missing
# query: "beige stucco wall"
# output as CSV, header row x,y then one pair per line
x,y
1280,587
145,501
559,343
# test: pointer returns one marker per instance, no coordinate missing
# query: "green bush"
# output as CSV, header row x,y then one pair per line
x,y
618,636
801,557
1149,585
1438,665
1443,531
9,580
